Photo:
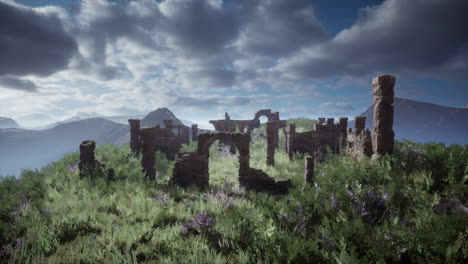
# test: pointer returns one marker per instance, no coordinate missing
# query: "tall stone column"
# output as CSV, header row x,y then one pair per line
x,y
87,159
194,132
186,134
148,136
270,129
359,124
330,121
343,128
226,116
383,137
135,141
291,134
309,170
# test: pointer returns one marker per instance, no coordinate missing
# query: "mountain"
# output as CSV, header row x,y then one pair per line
x,y
425,122
158,116
30,149
68,120
122,119
6,122
21,149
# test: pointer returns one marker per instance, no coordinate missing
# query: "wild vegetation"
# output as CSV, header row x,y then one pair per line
x,y
407,208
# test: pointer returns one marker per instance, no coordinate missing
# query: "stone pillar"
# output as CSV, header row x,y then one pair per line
x,y
135,141
87,159
186,134
277,116
244,165
168,123
383,137
343,124
330,121
110,174
309,170
148,136
321,120
291,134
343,127
226,116
194,132
270,129
359,124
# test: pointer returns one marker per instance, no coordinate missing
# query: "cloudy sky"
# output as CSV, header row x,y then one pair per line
x,y
200,58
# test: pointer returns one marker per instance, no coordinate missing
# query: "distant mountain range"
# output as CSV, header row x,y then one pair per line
x,y
6,122
425,122
21,148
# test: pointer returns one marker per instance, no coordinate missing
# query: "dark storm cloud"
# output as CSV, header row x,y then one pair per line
x,y
277,28
200,28
398,36
32,43
11,82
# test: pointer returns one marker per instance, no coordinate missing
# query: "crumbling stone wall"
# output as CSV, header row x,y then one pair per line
x,y
157,138
359,144
342,133
309,170
194,132
135,141
271,127
192,168
325,139
148,136
87,161
383,137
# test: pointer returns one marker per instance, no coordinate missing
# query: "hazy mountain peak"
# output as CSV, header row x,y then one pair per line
x,y
425,122
158,116
6,122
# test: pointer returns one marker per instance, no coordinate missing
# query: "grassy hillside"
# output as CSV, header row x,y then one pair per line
x,y
409,208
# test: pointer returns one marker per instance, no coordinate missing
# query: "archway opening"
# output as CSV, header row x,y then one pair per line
x,y
223,166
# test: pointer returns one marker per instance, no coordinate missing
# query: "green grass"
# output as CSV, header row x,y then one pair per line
x,y
51,216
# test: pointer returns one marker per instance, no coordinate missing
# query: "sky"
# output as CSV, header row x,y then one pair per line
x,y
303,58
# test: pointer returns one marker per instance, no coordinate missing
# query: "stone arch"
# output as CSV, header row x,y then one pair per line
x,y
240,140
192,168
264,112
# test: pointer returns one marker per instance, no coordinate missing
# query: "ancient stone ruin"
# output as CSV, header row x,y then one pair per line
x,y
192,168
194,132
148,136
326,137
309,170
88,161
383,137
135,141
359,142
88,165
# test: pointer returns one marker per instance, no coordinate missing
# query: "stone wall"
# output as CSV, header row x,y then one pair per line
x,y
359,145
135,140
192,168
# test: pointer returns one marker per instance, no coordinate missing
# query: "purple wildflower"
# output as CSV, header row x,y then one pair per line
x,y
202,223
372,206
333,201
220,197
449,205
226,152
72,167
18,242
